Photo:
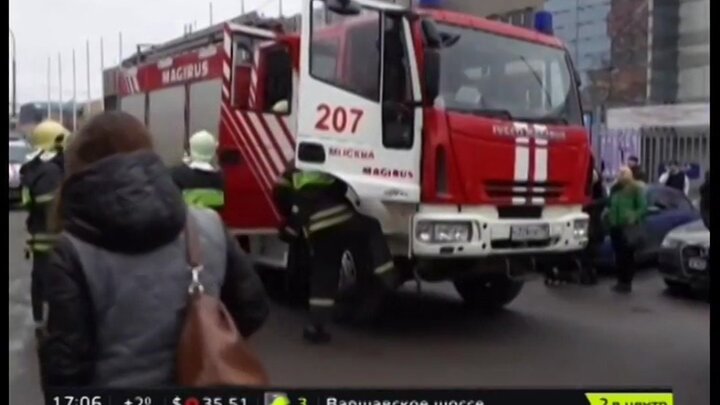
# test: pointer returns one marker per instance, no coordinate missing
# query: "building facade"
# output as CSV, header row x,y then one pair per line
x,y
679,51
583,26
628,52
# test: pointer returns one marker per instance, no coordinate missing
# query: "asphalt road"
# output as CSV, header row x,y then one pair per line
x,y
564,337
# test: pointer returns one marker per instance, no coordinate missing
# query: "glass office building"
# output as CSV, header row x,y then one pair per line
x,y
583,26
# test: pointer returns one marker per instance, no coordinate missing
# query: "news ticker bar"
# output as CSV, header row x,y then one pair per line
x,y
359,397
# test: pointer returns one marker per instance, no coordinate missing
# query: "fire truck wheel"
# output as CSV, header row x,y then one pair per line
x,y
488,293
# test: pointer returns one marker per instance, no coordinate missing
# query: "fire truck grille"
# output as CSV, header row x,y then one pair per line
x,y
508,244
524,189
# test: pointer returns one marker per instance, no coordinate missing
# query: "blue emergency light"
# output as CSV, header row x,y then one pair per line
x,y
429,3
544,22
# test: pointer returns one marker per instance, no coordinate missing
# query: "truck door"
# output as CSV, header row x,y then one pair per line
x,y
258,129
358,118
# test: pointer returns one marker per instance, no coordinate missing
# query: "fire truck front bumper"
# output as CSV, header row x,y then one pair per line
x,y
480,232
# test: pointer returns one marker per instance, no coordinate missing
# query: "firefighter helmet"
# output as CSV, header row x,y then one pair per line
x,y
46,135
202,147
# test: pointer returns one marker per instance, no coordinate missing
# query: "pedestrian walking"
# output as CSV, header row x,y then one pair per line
x,y
199,179
118,278
626,213
40,178
675,177
319,216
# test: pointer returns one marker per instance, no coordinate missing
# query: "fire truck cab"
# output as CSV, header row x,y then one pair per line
x,y
462,136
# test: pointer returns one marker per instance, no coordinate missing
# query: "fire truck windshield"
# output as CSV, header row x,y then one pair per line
x,y
487,74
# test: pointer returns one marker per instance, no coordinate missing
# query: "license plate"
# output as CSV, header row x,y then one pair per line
x,y
530,232
697,264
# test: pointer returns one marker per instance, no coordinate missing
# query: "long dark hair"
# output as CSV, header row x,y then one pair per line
x,y
105,135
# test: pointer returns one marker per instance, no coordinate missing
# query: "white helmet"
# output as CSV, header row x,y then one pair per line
x,y
202,147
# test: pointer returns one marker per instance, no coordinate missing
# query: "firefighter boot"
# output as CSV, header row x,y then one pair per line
x,y
316,334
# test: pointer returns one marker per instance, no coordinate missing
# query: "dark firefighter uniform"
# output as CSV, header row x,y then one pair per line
x,y
41,178
201,188
317,212
201,183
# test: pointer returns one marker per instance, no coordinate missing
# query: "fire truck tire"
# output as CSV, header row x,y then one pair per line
x,y
488,293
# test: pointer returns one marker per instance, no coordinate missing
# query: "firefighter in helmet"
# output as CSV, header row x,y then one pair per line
x,y
317,214
41,177
199,179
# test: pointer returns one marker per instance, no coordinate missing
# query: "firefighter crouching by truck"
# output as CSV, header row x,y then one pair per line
x,y
201,182
41,177
318,215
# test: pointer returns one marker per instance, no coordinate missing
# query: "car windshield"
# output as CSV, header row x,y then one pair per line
x,y
17,152
484,74
668,198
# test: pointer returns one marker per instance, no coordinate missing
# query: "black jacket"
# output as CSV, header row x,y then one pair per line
x,y
41,178
595,210
298,204
187,178
126,204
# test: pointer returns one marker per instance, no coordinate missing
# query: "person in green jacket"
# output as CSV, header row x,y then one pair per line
x,y
626,211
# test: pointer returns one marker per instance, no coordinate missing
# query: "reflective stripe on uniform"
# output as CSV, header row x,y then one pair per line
x,y
41,242
204,197
41,248
25,196
42,237
328,212
44,198
327,223
290,231
385,267
302,179
322,302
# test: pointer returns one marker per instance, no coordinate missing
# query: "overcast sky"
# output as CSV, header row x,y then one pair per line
x,y
44,28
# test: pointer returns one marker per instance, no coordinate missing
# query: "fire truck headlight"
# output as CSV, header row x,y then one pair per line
x,y
443,232
580,228
424,231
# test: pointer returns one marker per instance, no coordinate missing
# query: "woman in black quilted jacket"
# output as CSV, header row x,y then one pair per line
x,y
118,277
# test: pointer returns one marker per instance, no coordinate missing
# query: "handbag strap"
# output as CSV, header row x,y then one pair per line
x,y
193,254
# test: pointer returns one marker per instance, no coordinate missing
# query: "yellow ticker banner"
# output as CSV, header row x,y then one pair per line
x,y
630,398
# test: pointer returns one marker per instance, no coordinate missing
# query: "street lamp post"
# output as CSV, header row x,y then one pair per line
x,y
14,75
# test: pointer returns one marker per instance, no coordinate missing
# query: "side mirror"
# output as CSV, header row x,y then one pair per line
x,y
343,7
432,75
433,39
449,40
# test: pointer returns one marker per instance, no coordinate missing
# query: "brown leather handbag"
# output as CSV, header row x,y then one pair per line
x,y
212,352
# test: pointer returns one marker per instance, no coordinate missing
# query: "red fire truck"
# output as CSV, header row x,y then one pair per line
x,y
462,136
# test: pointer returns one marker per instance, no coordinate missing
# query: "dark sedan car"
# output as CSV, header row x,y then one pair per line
x,y
684,258
668,208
